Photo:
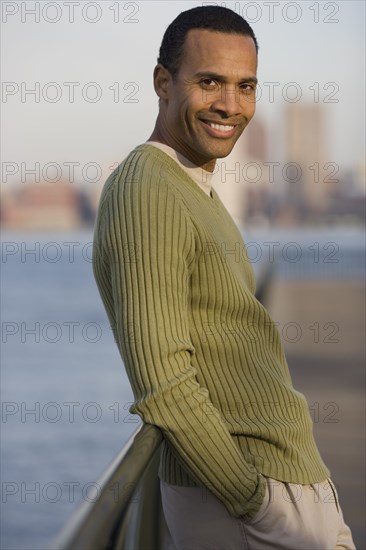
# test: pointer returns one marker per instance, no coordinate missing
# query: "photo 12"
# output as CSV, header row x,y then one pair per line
x,y
183,275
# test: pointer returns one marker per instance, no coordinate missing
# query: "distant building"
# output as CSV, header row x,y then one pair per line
x,y
41,206
256,139
242,171
307,177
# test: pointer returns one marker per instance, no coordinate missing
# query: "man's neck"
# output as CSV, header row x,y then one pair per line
x,y
157,136
199,175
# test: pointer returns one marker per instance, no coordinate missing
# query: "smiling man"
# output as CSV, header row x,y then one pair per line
x,y
206,105
239,466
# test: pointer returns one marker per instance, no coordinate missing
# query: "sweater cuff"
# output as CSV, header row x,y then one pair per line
x,y
256,501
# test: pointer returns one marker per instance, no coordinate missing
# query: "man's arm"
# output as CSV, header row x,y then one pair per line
x,y
149,245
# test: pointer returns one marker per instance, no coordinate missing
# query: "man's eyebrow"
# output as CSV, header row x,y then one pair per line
x,y
210,74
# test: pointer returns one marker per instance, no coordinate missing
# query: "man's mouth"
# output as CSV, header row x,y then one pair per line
x,y
219,130
221,127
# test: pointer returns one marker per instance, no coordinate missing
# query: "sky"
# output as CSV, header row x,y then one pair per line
x,y
90,67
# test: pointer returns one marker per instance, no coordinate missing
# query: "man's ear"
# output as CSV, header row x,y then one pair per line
x,y
162,81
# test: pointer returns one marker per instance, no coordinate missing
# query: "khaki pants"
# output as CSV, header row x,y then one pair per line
x,y
293,517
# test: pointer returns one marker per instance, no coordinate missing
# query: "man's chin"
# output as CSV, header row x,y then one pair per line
x,y
221,150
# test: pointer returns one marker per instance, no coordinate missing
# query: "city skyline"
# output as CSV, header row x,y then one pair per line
x,y
88,98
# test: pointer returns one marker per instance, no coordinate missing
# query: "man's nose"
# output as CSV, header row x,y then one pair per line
x,y
229,101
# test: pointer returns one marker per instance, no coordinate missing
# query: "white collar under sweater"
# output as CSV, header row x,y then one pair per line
x,y
199,175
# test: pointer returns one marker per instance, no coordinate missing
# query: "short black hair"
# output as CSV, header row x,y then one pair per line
x,y
212,18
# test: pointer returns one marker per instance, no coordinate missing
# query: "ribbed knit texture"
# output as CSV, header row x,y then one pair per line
x,y
203,356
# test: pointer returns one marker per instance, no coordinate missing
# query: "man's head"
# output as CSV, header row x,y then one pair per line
x,y
212,18
206,76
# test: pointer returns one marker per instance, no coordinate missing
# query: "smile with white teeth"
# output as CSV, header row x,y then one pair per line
x,y
221,127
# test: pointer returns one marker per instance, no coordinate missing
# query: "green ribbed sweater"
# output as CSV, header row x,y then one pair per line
x,y
203,356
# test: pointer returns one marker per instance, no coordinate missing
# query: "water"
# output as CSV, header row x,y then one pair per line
x,y
65,394
59,360
326,252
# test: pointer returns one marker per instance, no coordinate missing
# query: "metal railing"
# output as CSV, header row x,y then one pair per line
x,y
128,514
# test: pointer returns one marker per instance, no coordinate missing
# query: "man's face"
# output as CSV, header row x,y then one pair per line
x,y
213,97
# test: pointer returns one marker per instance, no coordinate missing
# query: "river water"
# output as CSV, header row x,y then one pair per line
x,y
65,394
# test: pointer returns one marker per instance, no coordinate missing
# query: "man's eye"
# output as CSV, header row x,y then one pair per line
x,y
247,88
208,82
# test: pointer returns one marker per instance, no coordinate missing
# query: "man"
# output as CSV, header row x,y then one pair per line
x,y
203,356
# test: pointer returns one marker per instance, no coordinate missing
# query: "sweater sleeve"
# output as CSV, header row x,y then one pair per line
x,y
149,243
